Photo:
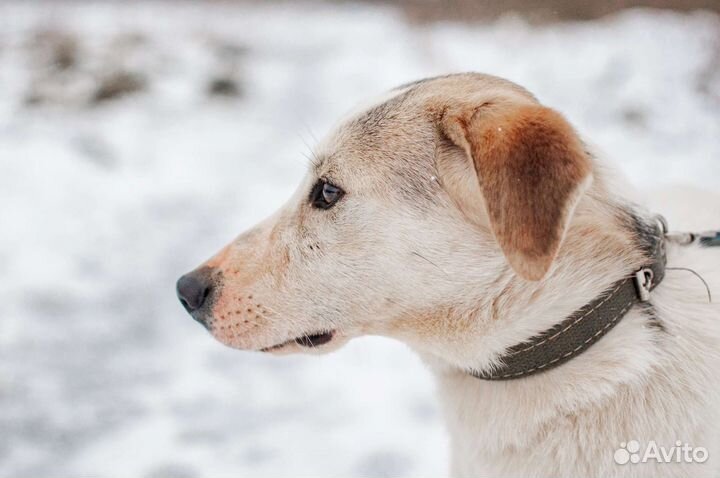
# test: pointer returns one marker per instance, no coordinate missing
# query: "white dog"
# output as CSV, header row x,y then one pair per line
x,y
464,218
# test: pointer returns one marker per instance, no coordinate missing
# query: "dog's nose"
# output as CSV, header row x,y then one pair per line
x,y
193,290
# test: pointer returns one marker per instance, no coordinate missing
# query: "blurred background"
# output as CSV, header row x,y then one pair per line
x,y
137,138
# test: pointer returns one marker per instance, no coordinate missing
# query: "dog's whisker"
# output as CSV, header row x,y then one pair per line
x,y
430,262
310,153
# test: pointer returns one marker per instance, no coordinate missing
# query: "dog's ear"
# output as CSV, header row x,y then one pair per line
x,y
532,169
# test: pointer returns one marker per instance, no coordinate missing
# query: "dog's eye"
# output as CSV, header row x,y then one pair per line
x,y
324,195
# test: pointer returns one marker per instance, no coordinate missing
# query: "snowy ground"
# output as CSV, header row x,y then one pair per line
x,y
103,204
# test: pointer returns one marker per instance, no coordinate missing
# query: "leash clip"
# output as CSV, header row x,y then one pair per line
x,y
682,238
643,283
707,238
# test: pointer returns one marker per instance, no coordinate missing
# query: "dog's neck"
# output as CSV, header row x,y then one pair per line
x,y
575,334
602,246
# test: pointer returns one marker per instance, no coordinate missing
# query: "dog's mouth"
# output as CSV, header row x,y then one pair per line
x,y
306,340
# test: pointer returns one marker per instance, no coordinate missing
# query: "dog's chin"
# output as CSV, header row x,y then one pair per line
x,y
308,343
316,344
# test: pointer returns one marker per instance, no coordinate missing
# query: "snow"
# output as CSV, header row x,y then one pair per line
x,y
103,206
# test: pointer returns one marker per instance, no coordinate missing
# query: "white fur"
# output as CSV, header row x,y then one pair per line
x,y
408,253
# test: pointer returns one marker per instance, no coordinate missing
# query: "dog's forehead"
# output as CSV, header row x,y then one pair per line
x,y
363,125
398,129
387,136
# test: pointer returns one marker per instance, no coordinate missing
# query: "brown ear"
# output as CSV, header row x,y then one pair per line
x,y
532,170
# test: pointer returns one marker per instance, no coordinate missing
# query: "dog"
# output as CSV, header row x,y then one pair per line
x,y
459,215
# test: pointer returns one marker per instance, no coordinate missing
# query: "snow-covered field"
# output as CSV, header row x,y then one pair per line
x,y
105,201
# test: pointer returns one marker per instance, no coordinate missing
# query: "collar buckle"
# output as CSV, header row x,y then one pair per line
x,y
643,283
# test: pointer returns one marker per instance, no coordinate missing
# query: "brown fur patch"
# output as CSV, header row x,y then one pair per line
x,y
532,168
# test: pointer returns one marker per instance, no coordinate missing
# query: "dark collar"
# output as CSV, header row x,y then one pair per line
x,y
587,325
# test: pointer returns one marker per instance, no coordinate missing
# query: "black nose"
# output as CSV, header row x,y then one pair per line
x,y
194,289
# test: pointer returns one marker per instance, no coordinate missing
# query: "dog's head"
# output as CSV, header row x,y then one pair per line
x,y
411,207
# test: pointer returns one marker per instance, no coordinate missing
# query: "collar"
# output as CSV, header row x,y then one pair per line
x,y
587,325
